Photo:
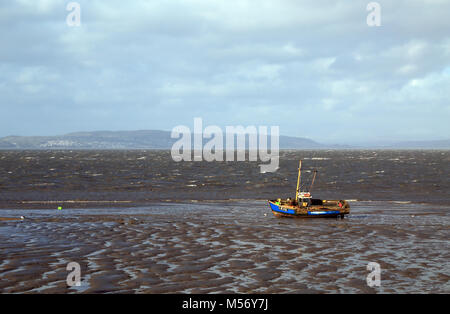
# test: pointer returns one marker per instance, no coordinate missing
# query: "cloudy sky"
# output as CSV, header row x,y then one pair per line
x,y
314,68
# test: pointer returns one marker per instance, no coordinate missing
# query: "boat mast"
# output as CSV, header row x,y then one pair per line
x,y
298,180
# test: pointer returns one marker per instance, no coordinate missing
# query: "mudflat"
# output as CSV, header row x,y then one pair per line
x,y
225,247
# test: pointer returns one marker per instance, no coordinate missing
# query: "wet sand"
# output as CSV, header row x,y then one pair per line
x,y
225,247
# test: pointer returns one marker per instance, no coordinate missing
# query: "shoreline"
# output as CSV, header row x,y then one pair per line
x,y
104,204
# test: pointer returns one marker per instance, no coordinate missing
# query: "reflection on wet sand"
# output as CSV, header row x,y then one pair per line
x,y
219,247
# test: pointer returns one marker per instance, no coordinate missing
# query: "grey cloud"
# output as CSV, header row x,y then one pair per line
x,y
157,64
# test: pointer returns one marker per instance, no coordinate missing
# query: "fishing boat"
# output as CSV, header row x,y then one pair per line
x,y
305,206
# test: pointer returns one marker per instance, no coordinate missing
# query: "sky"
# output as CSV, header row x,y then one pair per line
x,y
314,68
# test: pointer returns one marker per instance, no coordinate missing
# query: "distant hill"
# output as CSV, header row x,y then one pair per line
x,y
154,139
146,139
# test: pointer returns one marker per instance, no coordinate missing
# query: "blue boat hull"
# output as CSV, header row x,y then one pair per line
x,y
290,211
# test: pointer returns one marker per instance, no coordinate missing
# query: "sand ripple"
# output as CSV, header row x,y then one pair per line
x,y
227,247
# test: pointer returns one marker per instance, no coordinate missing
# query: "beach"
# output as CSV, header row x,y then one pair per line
x,y
225,247
138,222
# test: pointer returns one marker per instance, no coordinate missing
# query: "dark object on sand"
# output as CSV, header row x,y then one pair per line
x,y
305,206
11,218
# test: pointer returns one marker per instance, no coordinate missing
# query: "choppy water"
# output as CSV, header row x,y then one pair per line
x,y
143,176
206,227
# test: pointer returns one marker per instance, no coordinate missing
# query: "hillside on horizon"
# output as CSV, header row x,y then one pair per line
x,y
142,139
157,139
